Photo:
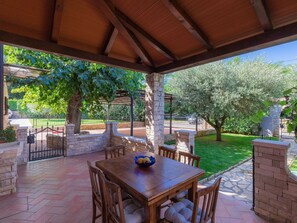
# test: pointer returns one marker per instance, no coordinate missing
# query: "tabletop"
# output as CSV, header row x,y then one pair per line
x,y
151,182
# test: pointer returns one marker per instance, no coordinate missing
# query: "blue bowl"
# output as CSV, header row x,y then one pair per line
x,y
152,161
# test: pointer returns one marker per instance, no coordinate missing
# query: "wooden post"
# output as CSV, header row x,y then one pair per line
x,y
131,116
170,125
1,88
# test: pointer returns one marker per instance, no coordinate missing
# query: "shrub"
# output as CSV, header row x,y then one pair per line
x,y
241,126
8,134
13,104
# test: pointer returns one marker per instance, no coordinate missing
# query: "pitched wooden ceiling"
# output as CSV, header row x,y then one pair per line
x,y
148,35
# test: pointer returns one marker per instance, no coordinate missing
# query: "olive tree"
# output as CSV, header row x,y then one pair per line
x,y
221,90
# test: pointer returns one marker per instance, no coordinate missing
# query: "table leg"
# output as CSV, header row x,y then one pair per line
x,y
150,214
192,191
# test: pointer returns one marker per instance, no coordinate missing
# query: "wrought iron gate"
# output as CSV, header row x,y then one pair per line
x,y
45,143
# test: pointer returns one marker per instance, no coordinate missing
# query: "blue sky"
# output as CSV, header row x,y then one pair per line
x,y
285,53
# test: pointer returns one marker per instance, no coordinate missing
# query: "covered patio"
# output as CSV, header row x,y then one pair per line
x,y
155,37
58,191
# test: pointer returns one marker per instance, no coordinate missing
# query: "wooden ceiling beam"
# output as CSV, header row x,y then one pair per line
x,y
187,22
51,47
57,19
269,38
111,39
262,14
109,11
152,41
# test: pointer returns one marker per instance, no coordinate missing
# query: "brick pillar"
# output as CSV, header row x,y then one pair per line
x,y
184,140
275,185
154,114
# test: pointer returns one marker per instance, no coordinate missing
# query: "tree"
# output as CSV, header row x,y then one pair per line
x,y
70,85
220,90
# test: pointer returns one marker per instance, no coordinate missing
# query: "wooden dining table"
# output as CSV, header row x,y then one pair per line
x,y
154,185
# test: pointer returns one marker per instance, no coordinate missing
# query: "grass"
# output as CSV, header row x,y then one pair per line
x,y
219,156
60,122
293,166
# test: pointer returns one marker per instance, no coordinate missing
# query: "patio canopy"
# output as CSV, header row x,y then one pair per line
x,y
149,35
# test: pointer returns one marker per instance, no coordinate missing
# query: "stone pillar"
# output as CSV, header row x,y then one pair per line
x,y
21,135
275,185
154,114
184,140
70,138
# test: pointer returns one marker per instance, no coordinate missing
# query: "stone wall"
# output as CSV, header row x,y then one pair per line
x,y
81,144
275,185
132,143
154,113
102,125
8,167
21,135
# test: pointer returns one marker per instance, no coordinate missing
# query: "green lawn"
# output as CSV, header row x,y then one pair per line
x,y
219,156
60,122
293,166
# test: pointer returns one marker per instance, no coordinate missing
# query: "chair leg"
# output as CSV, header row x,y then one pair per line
x,y
94,213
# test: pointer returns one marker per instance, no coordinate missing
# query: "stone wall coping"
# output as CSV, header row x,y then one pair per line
x,y
271,144
22,128
190,132
132,138
10,146
88,135
70,125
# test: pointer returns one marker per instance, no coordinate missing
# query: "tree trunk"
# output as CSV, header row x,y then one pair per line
x,y
73,115
219,133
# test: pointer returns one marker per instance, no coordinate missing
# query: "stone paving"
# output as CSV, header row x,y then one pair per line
x,y
238,182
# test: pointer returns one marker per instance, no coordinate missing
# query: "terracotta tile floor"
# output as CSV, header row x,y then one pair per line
x,y
59,191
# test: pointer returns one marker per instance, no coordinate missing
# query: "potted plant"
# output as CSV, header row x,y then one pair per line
x,y
7,135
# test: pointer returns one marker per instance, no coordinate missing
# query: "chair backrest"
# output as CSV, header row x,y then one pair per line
x,y
115,151
189,159
208,196
97,186
113,200
166,152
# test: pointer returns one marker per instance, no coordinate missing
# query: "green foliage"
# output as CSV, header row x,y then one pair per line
x,y
222,90
8,134
53,90
241,126
13,104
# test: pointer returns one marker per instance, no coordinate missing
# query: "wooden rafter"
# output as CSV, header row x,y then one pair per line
x,y
273,37
51,47
262,14
152,41
187,22
111,39
109,11
57,19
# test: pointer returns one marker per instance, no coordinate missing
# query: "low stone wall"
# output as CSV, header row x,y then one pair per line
x,y
275,185
132,143
205,132
81,144
102,125
8,167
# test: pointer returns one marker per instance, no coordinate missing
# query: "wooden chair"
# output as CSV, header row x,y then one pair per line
x,y
97,198
115,151
166,152
206,212
189,159
117,209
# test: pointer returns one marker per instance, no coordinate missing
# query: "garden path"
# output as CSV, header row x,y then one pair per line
x,y
238,182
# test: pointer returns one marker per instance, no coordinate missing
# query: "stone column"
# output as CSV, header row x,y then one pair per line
x,y
154,114
184,140
275,185
70,139
21,135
